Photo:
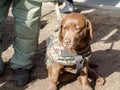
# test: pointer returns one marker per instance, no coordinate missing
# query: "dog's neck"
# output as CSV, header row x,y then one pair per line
x,y
78,50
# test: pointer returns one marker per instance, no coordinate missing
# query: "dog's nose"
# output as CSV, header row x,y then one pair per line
x,y
67,42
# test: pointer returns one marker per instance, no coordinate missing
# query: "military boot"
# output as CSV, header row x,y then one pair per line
x,y
60,2
69,7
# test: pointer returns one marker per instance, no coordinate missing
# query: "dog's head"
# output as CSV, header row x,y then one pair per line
x,y
75,32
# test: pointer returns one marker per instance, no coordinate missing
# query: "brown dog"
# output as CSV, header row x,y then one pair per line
x,y
69,51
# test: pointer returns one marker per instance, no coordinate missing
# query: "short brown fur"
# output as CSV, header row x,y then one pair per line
x,y
75,34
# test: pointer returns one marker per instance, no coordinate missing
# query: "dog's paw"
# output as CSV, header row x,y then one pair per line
x,y
52,87
87,87
100,81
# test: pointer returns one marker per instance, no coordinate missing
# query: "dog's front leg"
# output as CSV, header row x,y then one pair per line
x,y
83,78
54,76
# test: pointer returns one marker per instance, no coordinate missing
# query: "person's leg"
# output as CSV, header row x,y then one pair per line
x,y
4,7
69,7
26,14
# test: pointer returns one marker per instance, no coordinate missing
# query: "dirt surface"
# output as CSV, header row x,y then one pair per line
x,y
105,46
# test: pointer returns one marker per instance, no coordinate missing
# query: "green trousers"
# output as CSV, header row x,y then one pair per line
x,y
26,17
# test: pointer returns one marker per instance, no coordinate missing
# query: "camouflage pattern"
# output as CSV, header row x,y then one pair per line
x,y
57,53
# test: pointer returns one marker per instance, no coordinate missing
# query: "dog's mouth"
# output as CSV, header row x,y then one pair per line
x,y
67,46
73,45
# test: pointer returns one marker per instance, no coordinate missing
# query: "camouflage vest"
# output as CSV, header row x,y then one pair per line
x,y
57,53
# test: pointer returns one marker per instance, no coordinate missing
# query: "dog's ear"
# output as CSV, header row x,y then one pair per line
x,y
89,26
60,31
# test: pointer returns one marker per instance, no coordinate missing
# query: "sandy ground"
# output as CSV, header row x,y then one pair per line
x,y
105,47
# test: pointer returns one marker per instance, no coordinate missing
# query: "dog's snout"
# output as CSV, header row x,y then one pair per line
x,y
67,41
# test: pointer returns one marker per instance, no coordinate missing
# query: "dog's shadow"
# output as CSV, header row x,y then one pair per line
x,y
108,61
